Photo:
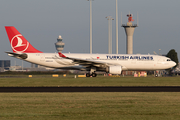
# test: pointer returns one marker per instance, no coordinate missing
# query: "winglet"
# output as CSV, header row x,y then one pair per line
x,y
61,55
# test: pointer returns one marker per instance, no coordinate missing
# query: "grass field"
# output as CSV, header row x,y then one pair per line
x,y
90,106
98,81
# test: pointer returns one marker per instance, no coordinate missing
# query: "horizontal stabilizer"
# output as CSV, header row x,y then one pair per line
x,y
17,55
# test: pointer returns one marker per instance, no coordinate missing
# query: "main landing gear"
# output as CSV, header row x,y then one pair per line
x,y
93,74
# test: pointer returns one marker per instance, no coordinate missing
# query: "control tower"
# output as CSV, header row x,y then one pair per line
x,y
59,44
129,29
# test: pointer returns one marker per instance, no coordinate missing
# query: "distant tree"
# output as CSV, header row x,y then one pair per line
x,y
173,55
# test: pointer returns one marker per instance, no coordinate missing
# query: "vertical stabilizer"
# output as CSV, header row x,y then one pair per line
x,y
18,42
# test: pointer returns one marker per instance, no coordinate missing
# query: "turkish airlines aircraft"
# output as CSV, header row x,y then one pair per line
x,y
110,63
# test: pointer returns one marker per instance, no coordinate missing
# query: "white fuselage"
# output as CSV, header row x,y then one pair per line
x,y
110,63
127,61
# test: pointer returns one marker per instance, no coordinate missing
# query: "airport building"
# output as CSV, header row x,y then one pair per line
x,y
34,65
129,29
59,44
4,64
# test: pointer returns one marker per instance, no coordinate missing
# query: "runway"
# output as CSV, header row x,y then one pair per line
x,y
93,89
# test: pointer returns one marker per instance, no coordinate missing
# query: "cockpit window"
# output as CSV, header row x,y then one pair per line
x,y
168,59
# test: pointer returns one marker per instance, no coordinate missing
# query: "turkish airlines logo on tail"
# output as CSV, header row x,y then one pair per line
x,y
18,45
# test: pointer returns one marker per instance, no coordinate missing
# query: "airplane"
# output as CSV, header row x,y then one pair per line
x,y
110,63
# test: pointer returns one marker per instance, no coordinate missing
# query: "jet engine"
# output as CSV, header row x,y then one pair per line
x,y
114,69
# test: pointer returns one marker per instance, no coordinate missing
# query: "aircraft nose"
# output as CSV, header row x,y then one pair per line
x,y
173,63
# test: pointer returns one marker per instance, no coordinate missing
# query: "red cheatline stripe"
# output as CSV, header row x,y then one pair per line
x,y
61,55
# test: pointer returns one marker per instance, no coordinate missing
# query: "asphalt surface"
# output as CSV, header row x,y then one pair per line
x,y
93,89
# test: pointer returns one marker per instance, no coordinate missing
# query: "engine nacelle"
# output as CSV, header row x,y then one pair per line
x,y
114,69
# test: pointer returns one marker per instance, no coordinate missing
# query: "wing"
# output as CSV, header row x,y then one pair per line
x,y
86,62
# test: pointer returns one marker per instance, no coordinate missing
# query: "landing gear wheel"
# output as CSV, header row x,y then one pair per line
x,y
94,74
87,74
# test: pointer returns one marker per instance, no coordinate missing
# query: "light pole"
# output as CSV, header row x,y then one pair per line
x,y
90,26
109,18
116,27
22,65
159,51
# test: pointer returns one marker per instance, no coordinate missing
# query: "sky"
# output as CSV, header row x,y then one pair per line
x,y
42,21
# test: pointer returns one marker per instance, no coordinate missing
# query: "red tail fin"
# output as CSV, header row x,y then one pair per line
x,y
18,42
